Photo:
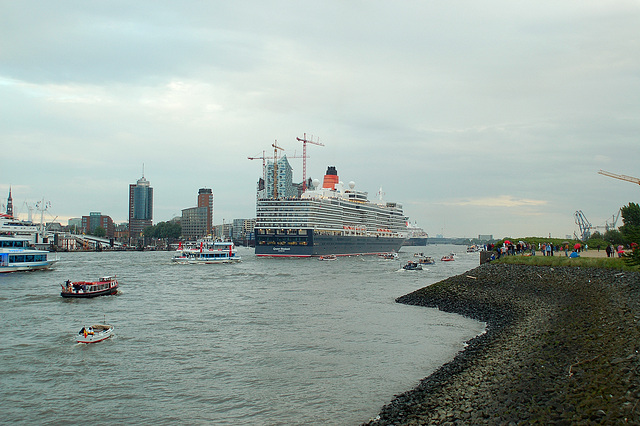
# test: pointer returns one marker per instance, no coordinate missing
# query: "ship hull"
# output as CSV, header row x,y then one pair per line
x,y
319,245
417,241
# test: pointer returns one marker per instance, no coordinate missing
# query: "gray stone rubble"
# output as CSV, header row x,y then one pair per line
x,y
561,347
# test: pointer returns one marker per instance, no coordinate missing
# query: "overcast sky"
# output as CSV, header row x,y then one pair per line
x,y
489,117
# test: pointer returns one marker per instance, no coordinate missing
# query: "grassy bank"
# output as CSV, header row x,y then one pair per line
x,y
562,260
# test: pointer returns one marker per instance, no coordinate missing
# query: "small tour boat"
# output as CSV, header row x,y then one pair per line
x,y
447,258
412,266
95,333
207,251
328,257
427,260
420,254
83,289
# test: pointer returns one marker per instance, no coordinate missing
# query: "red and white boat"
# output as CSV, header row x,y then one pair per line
x,y
448,258
95,333
83,289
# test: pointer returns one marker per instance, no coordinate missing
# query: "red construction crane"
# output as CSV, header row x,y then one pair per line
x,y
305,141
621,177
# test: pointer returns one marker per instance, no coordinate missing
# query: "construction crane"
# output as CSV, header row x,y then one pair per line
x,y
621,177
264,164
275,168
305,141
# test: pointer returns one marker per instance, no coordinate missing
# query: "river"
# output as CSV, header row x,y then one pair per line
x,y
265,341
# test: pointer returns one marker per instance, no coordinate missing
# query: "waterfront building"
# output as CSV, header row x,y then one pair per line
x,y
205,199
194,222
96,219
223,231
140,208
75,223
243,229
122,232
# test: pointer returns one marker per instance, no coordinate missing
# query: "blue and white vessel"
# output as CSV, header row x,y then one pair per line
x,y
207,251
329,219
17,255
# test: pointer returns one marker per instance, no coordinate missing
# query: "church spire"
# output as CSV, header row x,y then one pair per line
x,y
10,204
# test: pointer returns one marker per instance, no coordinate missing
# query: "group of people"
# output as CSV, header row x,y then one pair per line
x,y
528,249
611,251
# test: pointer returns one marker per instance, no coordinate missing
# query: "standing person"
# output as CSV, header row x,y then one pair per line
x,y
544,249
608,250
549,249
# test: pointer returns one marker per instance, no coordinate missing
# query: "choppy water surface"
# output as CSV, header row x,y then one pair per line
x,y
265,341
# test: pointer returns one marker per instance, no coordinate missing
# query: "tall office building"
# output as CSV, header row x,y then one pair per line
x,y
140,208
283,181
205,199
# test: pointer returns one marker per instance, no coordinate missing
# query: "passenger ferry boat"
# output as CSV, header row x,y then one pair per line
x,y
17,255
84,289
207,251
330,219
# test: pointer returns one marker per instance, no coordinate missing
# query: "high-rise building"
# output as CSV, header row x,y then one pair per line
x,y
283,181
140,208
205,199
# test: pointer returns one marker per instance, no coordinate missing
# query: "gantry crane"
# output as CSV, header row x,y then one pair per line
x,y
305,141
621,177
584,225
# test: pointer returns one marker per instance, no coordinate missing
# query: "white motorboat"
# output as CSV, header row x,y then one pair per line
x,y
95,333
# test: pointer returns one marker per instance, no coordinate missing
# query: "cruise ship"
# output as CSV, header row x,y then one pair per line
x,y
328,219
415,236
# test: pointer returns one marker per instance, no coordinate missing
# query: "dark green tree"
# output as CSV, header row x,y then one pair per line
x,y
631,223
99,232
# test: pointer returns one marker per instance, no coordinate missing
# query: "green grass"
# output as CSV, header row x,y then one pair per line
x,y
582,262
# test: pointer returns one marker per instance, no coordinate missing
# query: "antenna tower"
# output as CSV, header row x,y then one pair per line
x,y
305,141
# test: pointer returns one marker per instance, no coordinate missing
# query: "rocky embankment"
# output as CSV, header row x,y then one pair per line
x,y
561,347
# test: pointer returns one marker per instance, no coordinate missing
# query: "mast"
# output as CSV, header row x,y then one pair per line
x,y
305,141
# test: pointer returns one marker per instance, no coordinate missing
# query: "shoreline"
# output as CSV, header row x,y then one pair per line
x,y
561,346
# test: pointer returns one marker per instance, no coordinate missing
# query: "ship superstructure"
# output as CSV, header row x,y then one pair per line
x,y
328,219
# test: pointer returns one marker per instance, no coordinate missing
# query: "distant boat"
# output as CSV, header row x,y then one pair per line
x,y
427,260
412,266
85,289
448,258
328,257
95,333
17,255
388,256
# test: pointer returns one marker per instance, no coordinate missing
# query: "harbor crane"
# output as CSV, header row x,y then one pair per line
x,y
621,177
584,225
305,141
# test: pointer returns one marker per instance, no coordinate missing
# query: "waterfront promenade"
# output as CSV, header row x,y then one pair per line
x,y
561,348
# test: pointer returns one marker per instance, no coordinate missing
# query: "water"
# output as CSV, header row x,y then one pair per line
x,y
265,341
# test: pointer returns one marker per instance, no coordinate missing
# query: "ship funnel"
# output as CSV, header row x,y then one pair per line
x,y
331,178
